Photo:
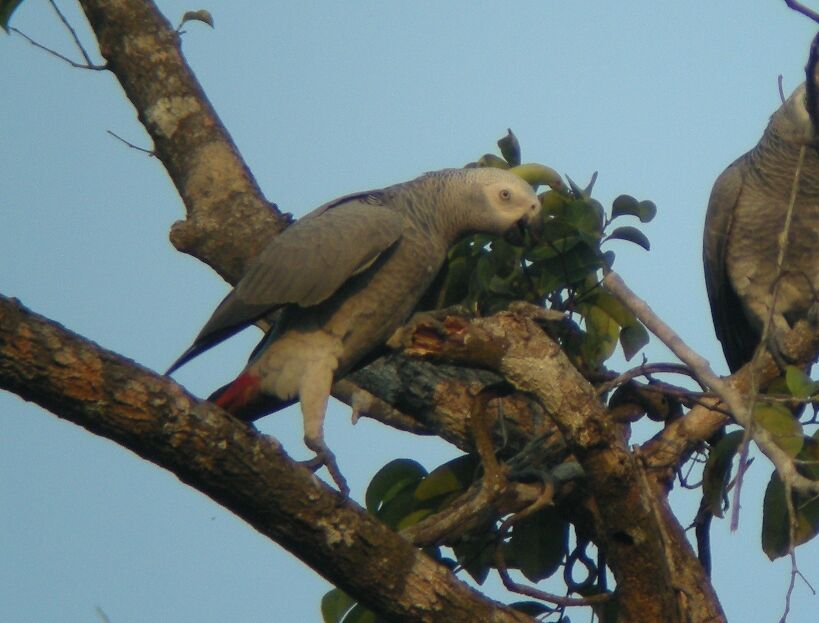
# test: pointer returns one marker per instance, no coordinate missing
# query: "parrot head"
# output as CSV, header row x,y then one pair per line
x,y
511,205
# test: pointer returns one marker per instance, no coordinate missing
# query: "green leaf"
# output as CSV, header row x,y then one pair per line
x,y
538,175
553,202
633,338
775,528
612,306
577,265
587,216
391,479
197,16
602,333
647,210
476,555
717,473
7,7
782,425
413,518
484,273
539,544
451,477
631,234
335,604
492,161
775,525
626,205
360,614
551,248
800,385
456,283
398,508
510,148
532,608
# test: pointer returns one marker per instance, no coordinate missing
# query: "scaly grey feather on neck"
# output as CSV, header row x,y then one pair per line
x,y
773,161
454,198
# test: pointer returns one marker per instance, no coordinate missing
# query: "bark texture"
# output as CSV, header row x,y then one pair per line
x,y
239,468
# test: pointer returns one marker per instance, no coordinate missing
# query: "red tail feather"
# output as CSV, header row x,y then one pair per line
x,y
235,396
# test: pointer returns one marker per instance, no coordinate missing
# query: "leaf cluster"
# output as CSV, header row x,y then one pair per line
x,y
403,493
560,268
780,532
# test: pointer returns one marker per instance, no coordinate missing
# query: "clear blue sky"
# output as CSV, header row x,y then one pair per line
x,y
322,99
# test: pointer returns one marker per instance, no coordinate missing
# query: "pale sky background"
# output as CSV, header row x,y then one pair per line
x,y
325,98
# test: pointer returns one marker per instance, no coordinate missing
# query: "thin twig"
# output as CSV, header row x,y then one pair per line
x,y
131,145
791,584
728,394
57,54
500,562
73,33
799,8
645,370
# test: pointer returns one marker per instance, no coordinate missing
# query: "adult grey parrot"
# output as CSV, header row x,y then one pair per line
x,y
344,278
746,215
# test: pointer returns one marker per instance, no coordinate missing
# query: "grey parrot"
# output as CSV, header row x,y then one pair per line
x,y
746,215
344,278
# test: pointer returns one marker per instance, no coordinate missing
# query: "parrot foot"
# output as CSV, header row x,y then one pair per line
x,y
325,458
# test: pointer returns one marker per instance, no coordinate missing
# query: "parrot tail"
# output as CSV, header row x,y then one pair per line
x,y
242,398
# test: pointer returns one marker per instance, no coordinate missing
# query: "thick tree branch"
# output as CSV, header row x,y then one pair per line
x,y
658,575
229,220
242,470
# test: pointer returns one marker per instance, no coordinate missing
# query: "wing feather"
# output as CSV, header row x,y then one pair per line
x,y
738,337
305,264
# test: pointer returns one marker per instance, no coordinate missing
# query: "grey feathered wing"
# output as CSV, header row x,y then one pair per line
x,y
305,264
739,339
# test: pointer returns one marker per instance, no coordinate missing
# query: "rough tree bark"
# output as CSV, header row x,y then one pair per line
x,y
624,497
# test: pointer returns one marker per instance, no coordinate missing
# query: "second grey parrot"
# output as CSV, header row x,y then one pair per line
x,y
746,215
344,278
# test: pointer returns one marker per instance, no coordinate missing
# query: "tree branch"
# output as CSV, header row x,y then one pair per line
x,y
800,8
729,393
241,469
629,511
229,221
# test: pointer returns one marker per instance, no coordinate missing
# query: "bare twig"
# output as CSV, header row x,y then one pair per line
x,y
57,54
645,370
500,562
73,33
799,8
131,145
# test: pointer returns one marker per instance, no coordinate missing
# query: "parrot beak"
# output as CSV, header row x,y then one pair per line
x,y
533,223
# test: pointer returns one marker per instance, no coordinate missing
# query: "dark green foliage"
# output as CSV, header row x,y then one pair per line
x,y
539,543
561,270
776,525
717,473
7,7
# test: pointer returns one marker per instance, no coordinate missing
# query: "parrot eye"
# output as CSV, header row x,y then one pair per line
x,y
506,194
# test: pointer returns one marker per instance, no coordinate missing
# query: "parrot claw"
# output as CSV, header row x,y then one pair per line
x,y
325,458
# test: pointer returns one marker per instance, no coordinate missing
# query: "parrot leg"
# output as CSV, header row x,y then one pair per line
x,y
314,392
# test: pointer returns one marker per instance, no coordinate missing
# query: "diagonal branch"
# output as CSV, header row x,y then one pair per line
x,y
239,468
630,511
229,220
801,8
728,392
